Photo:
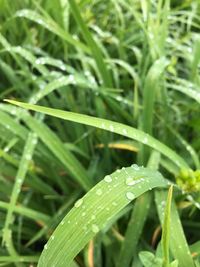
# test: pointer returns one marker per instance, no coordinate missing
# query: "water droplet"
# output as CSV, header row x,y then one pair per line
x,y
145,140
78,203
62,222
28,157
131,181
19,180
45,246
95,228
93,217
71,79
135,167
130,195
52,237
108,179
125,131
111,128
83,214
103,125
99,192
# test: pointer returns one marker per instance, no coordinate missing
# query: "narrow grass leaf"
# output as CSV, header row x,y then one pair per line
x,y
178,242
166,229
111,126
96,52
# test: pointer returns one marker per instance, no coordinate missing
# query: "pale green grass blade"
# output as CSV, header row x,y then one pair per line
x,y
92,212
21,174
166,229
178,242
111,126
96,52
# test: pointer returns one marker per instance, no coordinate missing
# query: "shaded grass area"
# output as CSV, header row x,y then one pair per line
x,y
135,65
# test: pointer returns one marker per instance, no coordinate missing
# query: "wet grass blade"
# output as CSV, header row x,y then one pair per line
x,y
92,212
111,126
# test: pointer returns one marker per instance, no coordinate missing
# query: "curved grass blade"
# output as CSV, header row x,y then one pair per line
x,y
111,126
92,212
187,91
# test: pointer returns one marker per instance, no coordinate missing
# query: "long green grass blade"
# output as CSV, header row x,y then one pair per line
x,y
166,229
92,212
96,52
111,126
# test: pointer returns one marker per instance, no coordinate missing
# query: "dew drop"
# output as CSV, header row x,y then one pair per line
x,y
93,217
145,140
28,157
99,192
95,228
78,203
45,247
108,179
62,222
111,128
135,167
125,131
130,195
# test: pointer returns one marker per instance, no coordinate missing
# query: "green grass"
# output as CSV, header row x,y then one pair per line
x,y
93,88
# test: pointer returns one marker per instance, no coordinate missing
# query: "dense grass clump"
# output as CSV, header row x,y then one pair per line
x,y
99,133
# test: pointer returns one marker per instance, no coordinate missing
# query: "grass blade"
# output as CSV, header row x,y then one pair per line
x,y
109,126
178,243
92,44
92,212
166,229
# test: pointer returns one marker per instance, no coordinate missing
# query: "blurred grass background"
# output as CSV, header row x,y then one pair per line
x,y
135,62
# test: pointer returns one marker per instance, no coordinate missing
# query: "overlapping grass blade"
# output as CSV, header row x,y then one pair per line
x,y
92,212
178,242
96,52
52,26
111,126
